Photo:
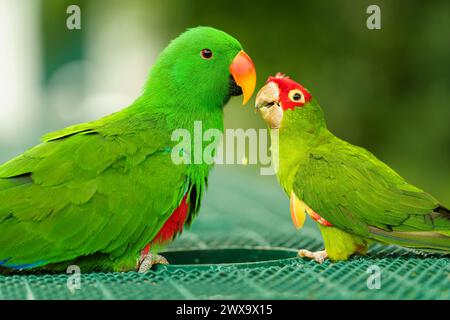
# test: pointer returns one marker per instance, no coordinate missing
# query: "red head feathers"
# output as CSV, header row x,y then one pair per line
x,y
291,93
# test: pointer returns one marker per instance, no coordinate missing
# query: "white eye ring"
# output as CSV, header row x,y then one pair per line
x,y
296,96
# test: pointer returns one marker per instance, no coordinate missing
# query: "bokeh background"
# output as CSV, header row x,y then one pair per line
x,y
387,90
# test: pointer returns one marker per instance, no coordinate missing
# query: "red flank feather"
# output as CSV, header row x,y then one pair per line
x,y
172,226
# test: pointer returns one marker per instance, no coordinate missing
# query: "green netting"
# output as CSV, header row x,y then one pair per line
x,y
244,210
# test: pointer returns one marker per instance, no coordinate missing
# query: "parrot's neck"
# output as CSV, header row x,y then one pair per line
x,y
170,112
172,125
302,129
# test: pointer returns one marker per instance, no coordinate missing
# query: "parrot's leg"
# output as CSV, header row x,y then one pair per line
x,y
340,245
318,256
146,262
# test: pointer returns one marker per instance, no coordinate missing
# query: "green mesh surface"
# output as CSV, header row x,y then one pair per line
x,y
244,210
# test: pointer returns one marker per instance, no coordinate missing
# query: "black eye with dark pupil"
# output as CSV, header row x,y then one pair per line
x,y
206,54
297,97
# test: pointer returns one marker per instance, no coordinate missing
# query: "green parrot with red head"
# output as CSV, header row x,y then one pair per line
x,y
353,196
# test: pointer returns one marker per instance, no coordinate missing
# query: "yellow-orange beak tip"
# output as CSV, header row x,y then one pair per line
x,y
244,73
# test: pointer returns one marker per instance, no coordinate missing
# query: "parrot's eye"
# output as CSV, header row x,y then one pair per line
x,y
206,54
296,96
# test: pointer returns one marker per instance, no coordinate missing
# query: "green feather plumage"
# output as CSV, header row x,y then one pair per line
x,y
95,194
355,191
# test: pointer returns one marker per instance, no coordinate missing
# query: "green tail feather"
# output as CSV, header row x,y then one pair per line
x,y
433,241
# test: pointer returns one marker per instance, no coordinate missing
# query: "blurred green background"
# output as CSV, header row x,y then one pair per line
x,y
386,90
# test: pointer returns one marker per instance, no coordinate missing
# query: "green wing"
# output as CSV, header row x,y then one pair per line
x,y
84,191
356,192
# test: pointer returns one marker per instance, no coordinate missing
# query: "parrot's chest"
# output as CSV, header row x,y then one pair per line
x,y
289,158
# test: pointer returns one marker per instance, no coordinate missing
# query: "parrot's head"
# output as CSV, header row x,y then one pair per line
x,y
204,66
279,95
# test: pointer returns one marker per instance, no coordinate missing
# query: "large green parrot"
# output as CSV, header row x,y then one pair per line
x,y
354,197
105,195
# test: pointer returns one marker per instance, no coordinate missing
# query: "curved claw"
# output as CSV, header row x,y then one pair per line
x,y
147,261
318,256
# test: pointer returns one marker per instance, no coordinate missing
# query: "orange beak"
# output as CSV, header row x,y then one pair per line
x,y
243,71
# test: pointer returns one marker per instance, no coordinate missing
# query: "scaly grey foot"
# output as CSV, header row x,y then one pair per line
x,y
318,256
146,262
